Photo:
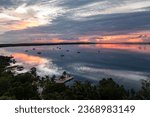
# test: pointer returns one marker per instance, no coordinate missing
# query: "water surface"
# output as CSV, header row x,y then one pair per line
x,y
126,64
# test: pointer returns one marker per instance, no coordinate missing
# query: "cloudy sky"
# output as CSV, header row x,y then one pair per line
x,y
74,20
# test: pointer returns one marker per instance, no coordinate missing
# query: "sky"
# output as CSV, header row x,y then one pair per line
x,y
26,21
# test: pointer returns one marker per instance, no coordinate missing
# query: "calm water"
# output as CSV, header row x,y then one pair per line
x,y
126,64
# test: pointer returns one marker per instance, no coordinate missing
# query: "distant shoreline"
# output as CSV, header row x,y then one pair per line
x,y
67,43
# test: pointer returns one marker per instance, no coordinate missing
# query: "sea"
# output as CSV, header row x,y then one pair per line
x,y
127,64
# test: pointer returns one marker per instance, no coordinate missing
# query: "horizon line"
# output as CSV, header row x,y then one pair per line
x,y
67,43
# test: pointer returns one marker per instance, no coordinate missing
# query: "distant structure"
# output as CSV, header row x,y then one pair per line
x,y
64,78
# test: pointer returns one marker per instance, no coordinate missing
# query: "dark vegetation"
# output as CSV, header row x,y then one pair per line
x,y
25,87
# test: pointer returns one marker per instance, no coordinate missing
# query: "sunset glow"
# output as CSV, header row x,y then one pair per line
x,y
63,21
29,59
130,48
24,24
133,38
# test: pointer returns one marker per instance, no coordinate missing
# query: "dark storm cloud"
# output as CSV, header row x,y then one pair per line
x,y
98,23
115,23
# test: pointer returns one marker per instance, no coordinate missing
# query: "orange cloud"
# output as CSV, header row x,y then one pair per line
x,y
58,40
122,38
23,25
135,37
54,40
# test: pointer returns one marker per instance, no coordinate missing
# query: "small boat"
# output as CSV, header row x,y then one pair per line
x,y
62,55
38,52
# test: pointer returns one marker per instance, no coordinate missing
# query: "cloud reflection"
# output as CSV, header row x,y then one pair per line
x,y
44,66
92,73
